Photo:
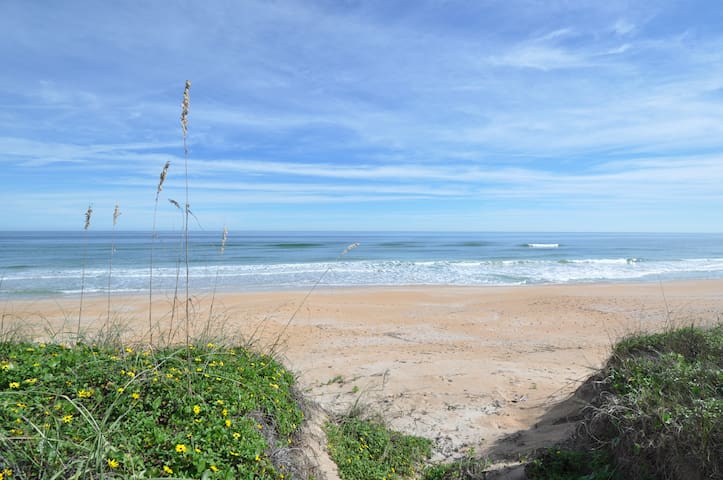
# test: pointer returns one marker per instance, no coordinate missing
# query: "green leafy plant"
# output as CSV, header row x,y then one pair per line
x,y
128,414
366,449
565,464
468,468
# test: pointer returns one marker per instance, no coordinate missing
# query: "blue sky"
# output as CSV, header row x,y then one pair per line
x,y
364,115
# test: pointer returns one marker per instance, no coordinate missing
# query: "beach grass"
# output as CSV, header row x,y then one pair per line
x,y
657,413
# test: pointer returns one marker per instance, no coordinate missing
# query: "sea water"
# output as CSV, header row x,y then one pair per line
x,y
63,263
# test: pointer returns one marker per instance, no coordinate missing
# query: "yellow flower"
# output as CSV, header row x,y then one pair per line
x,y
121,390
112,463
236,435
228,422
167,469
213,468
67,419
14,385
135,395
31,381
224,412
196,409
181,448
85,393
273,385
197,450
129,350
211,345
258,459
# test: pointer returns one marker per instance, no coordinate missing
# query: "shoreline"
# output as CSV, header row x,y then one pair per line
x,y
230,290
464,365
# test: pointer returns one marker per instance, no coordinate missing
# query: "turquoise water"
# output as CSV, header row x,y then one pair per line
x,y
57,263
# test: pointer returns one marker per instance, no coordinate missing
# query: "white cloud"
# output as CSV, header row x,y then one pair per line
x,y
623,27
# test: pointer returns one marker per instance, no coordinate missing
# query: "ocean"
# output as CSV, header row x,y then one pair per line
x,y
42,264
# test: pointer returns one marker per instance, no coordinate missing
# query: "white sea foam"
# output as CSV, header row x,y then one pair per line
x,y
543,245
273,261
370,272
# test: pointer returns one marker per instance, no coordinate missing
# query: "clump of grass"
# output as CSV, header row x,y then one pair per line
x,y
127,413
467,468
659,408
569,464
366,449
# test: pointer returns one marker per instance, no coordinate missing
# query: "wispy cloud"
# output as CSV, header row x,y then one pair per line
x,y
433,109
623,27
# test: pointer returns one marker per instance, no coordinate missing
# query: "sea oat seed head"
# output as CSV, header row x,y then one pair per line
x,y
88,214
116,214
185,105
174,203
163,176
349,248
223,239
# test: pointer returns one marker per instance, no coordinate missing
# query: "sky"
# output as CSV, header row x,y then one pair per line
x,y
434,115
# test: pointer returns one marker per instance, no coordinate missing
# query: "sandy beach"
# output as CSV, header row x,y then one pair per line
x,y
470,367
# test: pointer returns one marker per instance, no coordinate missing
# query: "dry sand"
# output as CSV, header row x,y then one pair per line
x,y
470,367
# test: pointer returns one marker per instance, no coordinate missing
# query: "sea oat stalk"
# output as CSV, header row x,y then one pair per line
x,y
184,127
224,237
116,214
159,189
306,297
174,306
88,216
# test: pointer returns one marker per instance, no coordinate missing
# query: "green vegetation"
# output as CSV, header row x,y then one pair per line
x,y
468,468
85,411
365,449
658,412
565,464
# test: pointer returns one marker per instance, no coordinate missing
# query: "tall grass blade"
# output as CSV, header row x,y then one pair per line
x,y
159,189
88,216
184,127
116,214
